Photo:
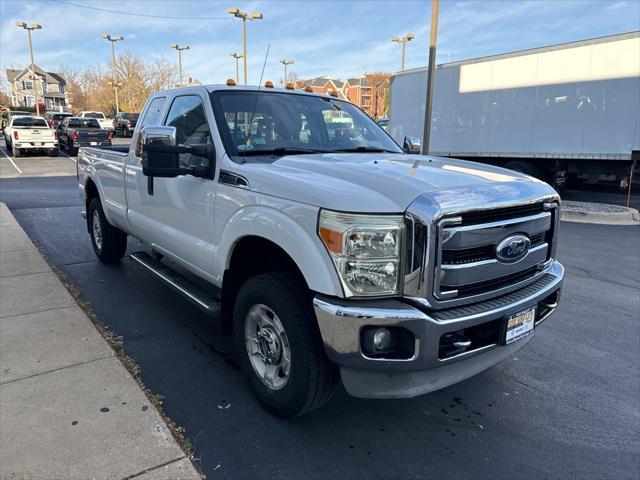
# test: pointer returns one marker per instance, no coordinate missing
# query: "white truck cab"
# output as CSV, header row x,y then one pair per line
x,y
335,252
105,122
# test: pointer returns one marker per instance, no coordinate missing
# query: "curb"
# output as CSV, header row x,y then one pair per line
x,y
602,214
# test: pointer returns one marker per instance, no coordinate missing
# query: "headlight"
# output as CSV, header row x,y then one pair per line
x,y
365,250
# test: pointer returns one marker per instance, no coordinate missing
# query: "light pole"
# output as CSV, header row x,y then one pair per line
x,y
426,134
113,39
237,56
245,16
34,26
285,62
403,41
180,48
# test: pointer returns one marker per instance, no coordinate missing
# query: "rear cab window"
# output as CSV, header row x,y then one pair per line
x,y
29,122
152,116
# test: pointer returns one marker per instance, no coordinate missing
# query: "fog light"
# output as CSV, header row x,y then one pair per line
x,y
387,342
381,339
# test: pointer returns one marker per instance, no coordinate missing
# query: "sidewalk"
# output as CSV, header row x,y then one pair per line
x,y
68,407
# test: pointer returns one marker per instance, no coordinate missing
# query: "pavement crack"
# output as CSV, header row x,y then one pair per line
x,y
55,370
149,470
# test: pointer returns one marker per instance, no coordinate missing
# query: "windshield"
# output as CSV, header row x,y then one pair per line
x,y
281,123
129,116
29,122
84,123
93,115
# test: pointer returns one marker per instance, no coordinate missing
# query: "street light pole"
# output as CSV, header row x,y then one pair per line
x,y
426,134
245,16
180,48
237,56
113,39
403,41
285,62
34,26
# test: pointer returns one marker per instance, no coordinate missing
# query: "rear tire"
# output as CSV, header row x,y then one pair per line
x,y
310,378
54,153
109,243
72,151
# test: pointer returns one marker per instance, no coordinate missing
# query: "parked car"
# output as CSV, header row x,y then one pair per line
x,y
30,133
12,113
76,132
333,255
54,118
106,123
124,124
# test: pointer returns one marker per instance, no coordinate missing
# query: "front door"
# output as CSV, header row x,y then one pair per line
x,y
182,208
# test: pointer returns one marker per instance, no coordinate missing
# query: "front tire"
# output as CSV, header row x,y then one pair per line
x,y
109,243
279,346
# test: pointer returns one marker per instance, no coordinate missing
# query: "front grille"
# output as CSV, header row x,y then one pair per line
x,y
498,214
467,267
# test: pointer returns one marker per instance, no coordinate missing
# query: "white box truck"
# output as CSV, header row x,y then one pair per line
x,y
570,109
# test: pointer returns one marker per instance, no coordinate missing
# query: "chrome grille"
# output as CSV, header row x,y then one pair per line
x,y
466,262
452,261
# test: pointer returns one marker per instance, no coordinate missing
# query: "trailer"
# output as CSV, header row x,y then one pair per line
x,y
561,112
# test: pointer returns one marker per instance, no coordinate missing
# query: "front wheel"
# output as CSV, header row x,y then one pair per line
x,y
279,345
109,243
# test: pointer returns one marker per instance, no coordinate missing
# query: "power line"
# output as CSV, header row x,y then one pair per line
x,y
120,12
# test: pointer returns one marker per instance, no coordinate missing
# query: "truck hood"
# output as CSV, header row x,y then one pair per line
x,y
383,182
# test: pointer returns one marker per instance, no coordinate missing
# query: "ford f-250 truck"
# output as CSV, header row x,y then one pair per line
x,y
341,254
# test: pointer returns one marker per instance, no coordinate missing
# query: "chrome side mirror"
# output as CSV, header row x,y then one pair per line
x,y
166,136
411,145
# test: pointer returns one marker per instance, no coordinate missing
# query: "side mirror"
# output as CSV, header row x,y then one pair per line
x,y
411,145
161,154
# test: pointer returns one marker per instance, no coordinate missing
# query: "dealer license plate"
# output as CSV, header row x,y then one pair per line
x,y
520,325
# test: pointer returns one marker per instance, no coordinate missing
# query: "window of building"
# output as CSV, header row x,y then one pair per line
x,y
27,85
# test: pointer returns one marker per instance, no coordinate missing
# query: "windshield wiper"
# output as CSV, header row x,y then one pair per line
x,y
281,151
365,149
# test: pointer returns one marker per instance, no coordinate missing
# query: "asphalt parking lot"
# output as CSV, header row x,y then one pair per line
x,y
566,406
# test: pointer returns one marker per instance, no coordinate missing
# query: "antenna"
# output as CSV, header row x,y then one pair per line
x,y
255,102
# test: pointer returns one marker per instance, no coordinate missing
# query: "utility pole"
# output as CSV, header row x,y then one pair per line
x,y
426,134
113,39
237,56
403,41
285,62
180,48
34,26
245,16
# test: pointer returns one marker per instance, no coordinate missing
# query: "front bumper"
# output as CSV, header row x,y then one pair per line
x,y
340,322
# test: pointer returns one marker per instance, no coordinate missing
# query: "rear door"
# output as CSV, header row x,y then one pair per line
x,y
136,184
182,208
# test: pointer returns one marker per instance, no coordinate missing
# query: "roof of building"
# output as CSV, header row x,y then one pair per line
x,y
50,77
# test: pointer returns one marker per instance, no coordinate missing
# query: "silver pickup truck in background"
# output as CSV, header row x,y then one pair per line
x,y
333,250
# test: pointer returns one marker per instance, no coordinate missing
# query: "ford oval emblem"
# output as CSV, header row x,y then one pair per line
x,y
513,249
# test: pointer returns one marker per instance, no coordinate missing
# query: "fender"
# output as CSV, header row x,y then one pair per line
x,y
293,231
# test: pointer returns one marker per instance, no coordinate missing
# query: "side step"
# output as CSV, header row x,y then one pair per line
x,y
198,295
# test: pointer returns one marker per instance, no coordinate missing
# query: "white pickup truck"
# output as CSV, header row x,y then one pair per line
x,y
30,133
332,250
105,123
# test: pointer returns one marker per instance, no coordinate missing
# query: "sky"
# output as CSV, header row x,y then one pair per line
x,y
341,39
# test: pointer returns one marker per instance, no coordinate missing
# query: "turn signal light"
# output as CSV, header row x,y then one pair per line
x,y
289,86
308,89
231,82
55,135
15,135
332,239
268,84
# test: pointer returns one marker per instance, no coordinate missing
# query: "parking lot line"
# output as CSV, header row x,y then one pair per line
x,y
11,160
70,158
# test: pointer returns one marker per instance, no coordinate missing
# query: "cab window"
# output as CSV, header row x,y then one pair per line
x,y
187,116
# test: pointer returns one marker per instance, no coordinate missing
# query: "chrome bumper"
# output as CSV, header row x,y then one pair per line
x,y
340,322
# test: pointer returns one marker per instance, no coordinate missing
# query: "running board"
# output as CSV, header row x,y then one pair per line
x,y
199,296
